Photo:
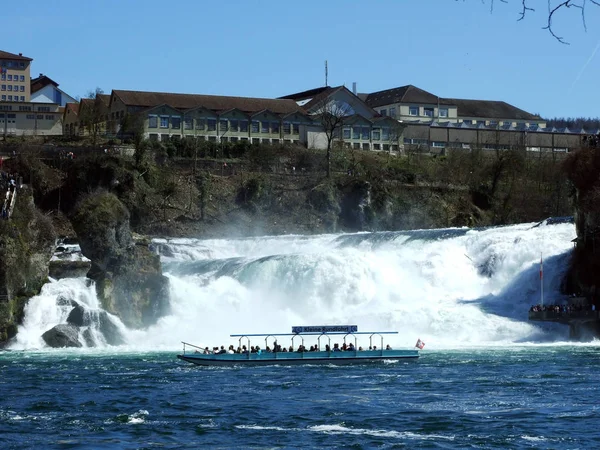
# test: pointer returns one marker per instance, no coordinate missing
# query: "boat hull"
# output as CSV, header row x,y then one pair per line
x,y
292,358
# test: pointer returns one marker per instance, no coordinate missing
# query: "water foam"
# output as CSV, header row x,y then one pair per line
x,y
451,288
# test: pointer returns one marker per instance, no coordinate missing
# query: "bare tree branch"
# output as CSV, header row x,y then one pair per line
x,y
525,9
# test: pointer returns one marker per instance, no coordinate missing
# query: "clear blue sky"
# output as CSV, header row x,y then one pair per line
x,y
273,48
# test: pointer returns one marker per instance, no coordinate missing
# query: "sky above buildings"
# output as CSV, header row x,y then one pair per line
x,y
452,48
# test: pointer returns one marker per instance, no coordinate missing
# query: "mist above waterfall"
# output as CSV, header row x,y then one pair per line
x,y
451,288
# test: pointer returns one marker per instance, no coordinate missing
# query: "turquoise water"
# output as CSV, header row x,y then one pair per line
x,y
521,397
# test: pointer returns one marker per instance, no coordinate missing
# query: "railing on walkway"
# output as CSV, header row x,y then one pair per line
x,y
564,316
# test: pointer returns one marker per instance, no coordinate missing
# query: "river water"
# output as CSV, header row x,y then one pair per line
x,y
487,377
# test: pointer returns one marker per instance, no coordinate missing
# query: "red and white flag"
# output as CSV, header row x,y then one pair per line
x,y
420,344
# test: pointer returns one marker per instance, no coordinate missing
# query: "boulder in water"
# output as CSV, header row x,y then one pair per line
x,y
76,316
63,335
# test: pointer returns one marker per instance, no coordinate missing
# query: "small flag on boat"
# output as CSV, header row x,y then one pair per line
x,y
541,268
420,344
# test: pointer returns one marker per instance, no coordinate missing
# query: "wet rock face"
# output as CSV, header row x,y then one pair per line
x,y
357,213
129,279
64,335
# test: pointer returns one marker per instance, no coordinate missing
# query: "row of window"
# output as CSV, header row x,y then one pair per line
x,y
367,146
25,108
10,64
10,87
415,111
366,134
232,139
10,77
225,125
31,116
13,98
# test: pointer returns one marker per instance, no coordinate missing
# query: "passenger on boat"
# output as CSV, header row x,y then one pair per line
x,y
291,349
222,350
387,347
206,351
258,350
336,348
268,349
360,349
244,349
374,348
344,347
327,348
350,347
275,348
231,351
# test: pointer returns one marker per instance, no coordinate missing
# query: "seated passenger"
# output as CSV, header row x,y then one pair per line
x,y
327,348
344,347
350,347
374,348
222,350
206,351
387,347
244,349
252,349
230,350
336,348
291,349
360,349
258,350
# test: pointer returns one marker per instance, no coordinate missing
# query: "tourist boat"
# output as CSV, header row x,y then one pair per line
x,y
196,355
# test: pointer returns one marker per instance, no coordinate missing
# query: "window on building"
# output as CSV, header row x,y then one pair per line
x,y
11,116
295,128
413,110
255,126
175,121
385,134
39,116
393,112
244,126
22,89
481,122
43,108
233,126
274,127
9,77
211,124
365,132
355,132
383,112
223,124
346,133
10,87
376,146
30,116
428,112
287,128
49,117
376,134
16,88
443,112
152,121
3,87
164,121
200,124
439,144
264,127
3,78
22,78
10,98
21,64
386,147
188,123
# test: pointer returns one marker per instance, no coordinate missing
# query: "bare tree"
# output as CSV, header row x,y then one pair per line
x,y
332,114
92,114
554,7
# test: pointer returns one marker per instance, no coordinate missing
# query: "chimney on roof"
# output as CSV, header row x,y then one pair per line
x,y
354,87
20,54
41,75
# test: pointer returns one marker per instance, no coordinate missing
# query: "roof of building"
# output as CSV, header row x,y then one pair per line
x,y
41,82
403,94
489,108
212,102
305,94
72,107
19,57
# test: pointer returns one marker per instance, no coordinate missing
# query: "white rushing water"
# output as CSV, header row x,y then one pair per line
x,y
451,288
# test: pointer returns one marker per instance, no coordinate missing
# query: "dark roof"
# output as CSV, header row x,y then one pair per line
x,y
212,102
403,94
41,82
305,94
105,98
19,57
489,108
74,107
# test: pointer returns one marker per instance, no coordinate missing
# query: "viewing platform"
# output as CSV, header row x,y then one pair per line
x,y
582,317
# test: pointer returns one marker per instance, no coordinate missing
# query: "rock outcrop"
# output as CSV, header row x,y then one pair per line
x,y
128,276
27,242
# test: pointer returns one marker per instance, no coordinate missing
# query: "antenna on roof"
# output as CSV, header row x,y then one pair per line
x,y
326,73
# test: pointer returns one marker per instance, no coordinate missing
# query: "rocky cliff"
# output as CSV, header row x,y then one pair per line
x,y
128,276
26,244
